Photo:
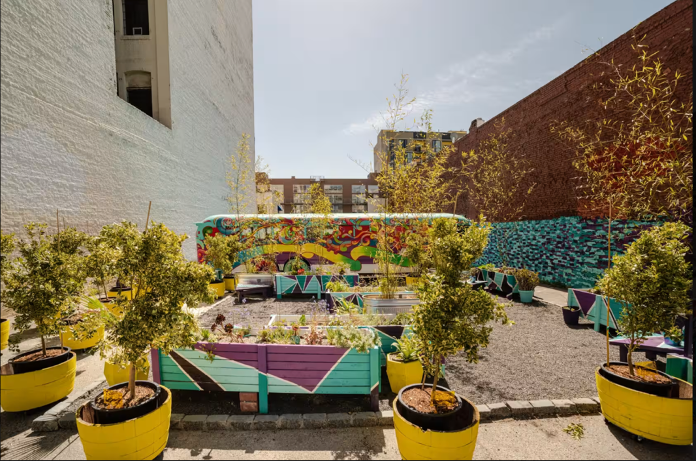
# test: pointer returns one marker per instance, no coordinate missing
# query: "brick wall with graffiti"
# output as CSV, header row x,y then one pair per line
x,y
569,250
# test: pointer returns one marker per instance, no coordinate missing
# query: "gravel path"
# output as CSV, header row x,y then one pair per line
x,y
539,357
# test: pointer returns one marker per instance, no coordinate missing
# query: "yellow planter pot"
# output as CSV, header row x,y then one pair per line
x,y
666,420
73,343
115,374
219,288
411,281
22,392
401,374
418,444
143,438
4,334
230,284
113,308
127,294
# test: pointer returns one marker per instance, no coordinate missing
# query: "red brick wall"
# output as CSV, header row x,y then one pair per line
x,y
569,97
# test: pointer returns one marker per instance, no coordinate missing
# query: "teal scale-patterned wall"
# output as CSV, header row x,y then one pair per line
x,y
567,250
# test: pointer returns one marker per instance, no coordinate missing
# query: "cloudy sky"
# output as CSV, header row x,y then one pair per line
x,y
323,69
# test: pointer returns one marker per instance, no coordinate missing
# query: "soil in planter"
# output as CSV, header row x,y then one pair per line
x,y
420,400
38,355
642,374
142,394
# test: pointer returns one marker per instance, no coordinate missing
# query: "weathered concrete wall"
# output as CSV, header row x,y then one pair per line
x,y
70,143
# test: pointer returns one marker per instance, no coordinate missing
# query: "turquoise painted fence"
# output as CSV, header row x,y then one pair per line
x,y
567,250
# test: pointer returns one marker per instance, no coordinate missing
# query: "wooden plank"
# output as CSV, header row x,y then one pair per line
x,y
239,387
320,374
226,380
155,356
217,372
176,376
295,358
180,385
217,363
233,347
263,379
322,390
305,349
342,366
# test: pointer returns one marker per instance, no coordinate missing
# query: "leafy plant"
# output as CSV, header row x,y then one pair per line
x,y
154,318
46,281
363,340
417,254
675,334
339,268
526,279
452,316
402,319
575,430
407,348
343,306
337,286
651,282
303,320
314,337
7,246
221,252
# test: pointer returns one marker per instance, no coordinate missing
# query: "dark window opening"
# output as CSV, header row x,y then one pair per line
x,y
135,18
117,93
141,98
447,136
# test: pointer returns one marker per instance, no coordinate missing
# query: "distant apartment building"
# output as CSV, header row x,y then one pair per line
x,y
291,195
388,141
107,105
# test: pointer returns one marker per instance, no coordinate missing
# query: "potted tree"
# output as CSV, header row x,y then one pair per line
x,y
7,246
99,268
41,286
527,280
436,423
403,366
652,281
221,253
154,318
418,256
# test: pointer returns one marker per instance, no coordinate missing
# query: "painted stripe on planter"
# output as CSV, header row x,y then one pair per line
x,y
330,370
195,374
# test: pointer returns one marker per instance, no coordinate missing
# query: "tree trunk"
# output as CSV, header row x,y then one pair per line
x,y
608,266
437,376
43,345
131,381
629,359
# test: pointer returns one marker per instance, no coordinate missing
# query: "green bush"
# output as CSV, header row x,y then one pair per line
x,y
651,281
526,279
221,252
407,348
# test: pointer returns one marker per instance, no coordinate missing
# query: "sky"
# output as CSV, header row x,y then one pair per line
x,y
323,69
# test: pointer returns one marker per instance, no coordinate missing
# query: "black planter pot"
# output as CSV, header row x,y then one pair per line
x,y
455,420
112,416
571,317
392,331
31,366
656,389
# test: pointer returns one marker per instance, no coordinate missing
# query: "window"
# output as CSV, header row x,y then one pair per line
x,y
409,157
403,143
417,149
135,18
333,188
141,98
372,188
337,208
437,145
300,188
358,188
447,136
359,199
359,208
301,198
335,198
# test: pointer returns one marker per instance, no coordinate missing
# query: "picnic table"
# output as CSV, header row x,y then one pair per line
x,y
243,290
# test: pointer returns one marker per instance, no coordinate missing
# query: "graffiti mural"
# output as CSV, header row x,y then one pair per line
x,y
352,238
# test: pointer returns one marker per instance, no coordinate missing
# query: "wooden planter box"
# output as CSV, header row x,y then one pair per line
x,y
357,298
594,308
264,369
309,284
501,282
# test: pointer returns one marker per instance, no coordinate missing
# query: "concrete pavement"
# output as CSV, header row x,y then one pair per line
x,y
506,439
555,296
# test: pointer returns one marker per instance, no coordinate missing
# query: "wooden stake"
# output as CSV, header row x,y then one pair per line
x,y
147,221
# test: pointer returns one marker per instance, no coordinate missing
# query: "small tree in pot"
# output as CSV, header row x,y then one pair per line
x,y
527,281
156,317
651,281
221,253
7,246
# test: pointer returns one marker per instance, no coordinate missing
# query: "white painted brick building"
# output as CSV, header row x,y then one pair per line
x,y
70,143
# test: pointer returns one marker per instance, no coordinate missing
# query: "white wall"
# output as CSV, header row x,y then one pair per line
x,y
70,143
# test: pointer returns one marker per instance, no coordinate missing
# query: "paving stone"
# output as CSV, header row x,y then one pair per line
x,y
564,406
318,420
193,422
385,418
265,422
596,398
67,421
59,408
520,408
217,422
45,423
336,420
484,412
290,421
175,421
364,419
499,411
543,407
240,422
586,405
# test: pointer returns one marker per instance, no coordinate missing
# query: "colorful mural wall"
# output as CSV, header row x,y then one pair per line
x,y
569,250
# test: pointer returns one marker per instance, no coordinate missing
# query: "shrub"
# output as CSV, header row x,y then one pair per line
x,y
526,279
407,349
651,281
353,337
221,252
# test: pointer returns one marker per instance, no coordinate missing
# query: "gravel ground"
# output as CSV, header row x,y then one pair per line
x,y
539,357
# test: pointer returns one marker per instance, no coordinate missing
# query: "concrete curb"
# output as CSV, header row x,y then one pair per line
x,y
488,412
52,420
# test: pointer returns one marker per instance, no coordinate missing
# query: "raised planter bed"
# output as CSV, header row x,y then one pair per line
x,y
309,284
505,283
264,369
594,308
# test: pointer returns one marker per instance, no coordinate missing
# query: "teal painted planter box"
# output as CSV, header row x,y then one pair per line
x,y
502,282
680,367
594,308
309,284
264,369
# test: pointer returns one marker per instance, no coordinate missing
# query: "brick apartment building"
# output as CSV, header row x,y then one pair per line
x,y
346,195
569,97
